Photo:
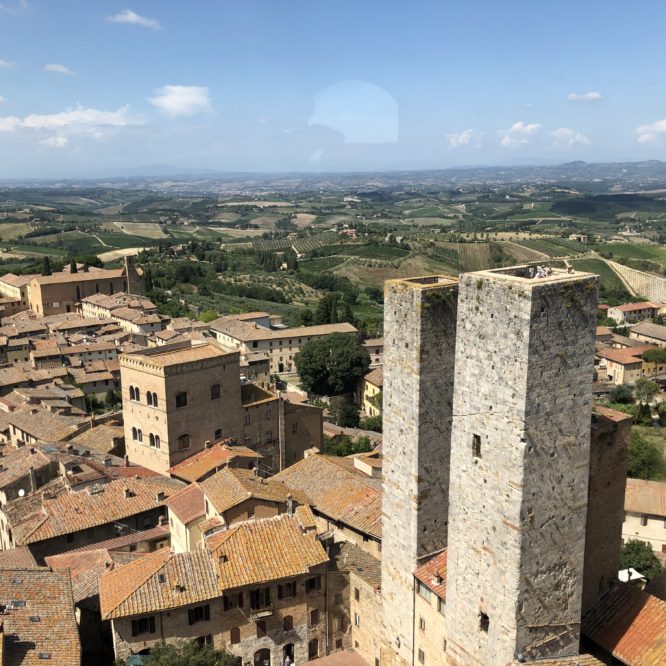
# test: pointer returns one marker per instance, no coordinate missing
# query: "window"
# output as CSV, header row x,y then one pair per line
x,y
183,442
313,648
644,520
132,393
288,623
215,392
357,594
357,620
424,591
247,419
484,622
421,656
444,644
205,640
441,606
269,436
342,624
157,441
181,399
135,434
421,624
139,435
149,398
287,590
476,446
313,584
268,414
338,644
198,614
338,598
218,433
151,437
314,616
294,427
260,598
234,635
261,629
145,625
233,601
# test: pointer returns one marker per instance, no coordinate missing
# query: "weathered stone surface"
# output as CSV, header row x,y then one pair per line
x,y
520,451
419,345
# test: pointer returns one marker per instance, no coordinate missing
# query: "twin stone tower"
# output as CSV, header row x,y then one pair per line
x,y
487,416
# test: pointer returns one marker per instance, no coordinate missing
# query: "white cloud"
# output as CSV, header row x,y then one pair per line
x,y
9,123
181,100
2,99
7,64
519,134
468,137
57,141
568,137
80,118
58,68
592,96
647,133
128,16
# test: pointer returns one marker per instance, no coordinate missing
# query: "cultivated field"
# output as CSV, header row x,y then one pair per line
x,y
144,229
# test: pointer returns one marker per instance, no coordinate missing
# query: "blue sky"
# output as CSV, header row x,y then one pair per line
x,y
100,87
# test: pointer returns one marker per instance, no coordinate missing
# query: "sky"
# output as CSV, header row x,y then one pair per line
x,y
100,87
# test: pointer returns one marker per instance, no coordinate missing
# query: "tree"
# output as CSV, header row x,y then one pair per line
x,y
112,398
642,414
333,364
73,268
46,266
645,390
345,446
639,556
207,316
345,413
188,653
372,423
644,457
622,394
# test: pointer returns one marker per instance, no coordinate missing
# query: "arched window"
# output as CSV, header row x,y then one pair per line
x,y
135,435
132,393
157,441
149,398
137,394
183,442
154,399
151,437
139,435
235,635
288,622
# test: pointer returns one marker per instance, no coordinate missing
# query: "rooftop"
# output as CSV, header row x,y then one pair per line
x,y
632,307
375,377
425,282
178,354
200,464
43,622
248,331
187,504
335,488
649,329
432,573
648,497
521,275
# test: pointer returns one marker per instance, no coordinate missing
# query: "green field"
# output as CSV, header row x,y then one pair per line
x,y
609,279
630,251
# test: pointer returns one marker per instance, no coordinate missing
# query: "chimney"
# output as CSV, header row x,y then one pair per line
x,y
162,520
290,505
207,444
160,496
129,493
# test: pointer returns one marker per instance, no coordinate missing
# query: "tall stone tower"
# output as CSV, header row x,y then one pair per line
x,y
520,452
419,349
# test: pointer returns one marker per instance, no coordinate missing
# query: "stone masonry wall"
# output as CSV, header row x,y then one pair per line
x,y
420,330
519,460
609,450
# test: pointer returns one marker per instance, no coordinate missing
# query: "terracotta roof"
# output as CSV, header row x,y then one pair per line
x,y
264,550
338,490
375,377
650,330
631,307
85,569
433,573
20,558
74,511
630,624
200,464
625,356
229,487
248,331
91,276
577,660
645,497
603,330
119,543
173,355
16,463
373,342
45,426
44,624
16,280
101,437
159,581
187,504
346,556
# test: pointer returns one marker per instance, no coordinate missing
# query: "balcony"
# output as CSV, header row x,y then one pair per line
x,y
259,613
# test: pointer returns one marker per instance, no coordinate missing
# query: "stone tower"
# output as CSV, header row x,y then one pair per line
x,y
419,350
520,450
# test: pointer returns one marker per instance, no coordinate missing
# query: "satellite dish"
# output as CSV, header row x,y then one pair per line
x,y
21,492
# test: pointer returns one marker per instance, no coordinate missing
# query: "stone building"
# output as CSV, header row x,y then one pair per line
x,y
645,514
257,590
520,449
176,398
419,344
